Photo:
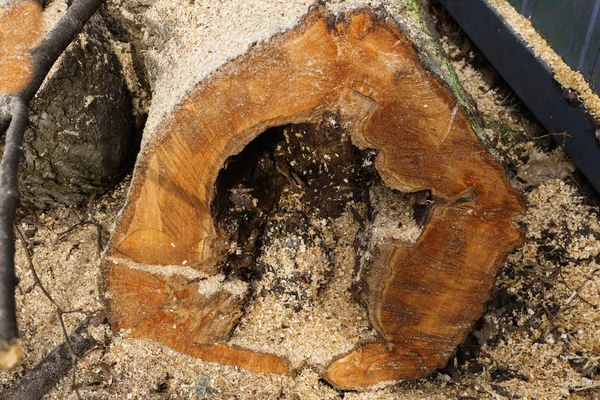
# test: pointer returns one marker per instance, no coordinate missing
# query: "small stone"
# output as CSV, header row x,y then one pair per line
x,y
201,385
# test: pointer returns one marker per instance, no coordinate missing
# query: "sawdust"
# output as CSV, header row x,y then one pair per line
x,y
164,270
182,45
301,307
563,74
314,328
538,339
311,322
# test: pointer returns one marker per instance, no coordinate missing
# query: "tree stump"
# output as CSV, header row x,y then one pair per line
x,y
343,103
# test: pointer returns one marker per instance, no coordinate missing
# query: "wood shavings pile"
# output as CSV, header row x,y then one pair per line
x,y
309,328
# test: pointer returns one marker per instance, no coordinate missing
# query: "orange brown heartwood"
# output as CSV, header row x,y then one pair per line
x,y
20,31
422,298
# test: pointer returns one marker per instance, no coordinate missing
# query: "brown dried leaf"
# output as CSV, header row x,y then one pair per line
x,y
544,167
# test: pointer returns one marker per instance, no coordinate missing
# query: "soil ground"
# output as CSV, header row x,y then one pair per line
x,y
538,338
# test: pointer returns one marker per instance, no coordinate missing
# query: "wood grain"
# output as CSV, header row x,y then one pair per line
x,y
422,298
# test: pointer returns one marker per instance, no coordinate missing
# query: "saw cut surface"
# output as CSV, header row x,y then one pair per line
x,y
347,125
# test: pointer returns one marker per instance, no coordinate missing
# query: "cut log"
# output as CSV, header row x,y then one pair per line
x,y
344,86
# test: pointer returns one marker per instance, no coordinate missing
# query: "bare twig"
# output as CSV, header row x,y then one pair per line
x,y
89,220
44,56
584,388
55,365
63,235
4,115
551,318
57,40
59,311
576,293
9,201
563,134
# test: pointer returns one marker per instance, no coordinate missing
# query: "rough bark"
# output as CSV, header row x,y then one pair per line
x,y
82,138
360,70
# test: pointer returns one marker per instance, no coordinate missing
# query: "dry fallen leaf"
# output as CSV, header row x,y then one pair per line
x,y
543,167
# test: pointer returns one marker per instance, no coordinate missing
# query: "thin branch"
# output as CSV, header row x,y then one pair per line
x,y
561,309
63,235
55,365
90,220
59,311
5,116
584,388
576,293
57,40
9,201
551,318
44,56
36,277
563,134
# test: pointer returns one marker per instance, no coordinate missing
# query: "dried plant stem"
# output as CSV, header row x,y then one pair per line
x,y
576,293
14,109
9,201
59,311
584,388
55,365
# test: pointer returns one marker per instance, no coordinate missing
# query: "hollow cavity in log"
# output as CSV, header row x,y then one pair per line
x,y
187,262
297,210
